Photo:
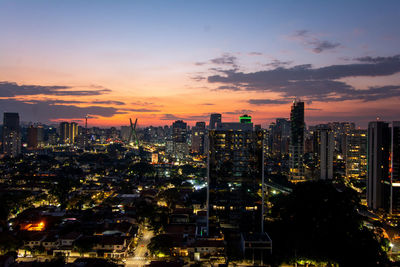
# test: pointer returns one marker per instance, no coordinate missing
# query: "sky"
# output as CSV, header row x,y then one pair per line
x,y
160,61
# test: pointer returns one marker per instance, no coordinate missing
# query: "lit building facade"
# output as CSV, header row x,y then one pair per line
x,y
235,176
280,137
179,138
198,137
11,134
395,169
68,132
356,154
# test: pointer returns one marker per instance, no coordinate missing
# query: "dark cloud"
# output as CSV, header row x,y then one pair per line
x,y
198,78
320,46
10,89
52,101
229,87
268,101
225,59
142,103
59,101
109,102
379,59
278,64
301,33
46,111
169,117
239,112
207,104
316,45
255,54
315,84
142,110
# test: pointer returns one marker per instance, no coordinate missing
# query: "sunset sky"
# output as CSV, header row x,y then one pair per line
x,y
159,61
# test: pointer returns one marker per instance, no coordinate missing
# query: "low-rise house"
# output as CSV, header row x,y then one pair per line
x,y
50,242
34,239
206,247
112,246
68,239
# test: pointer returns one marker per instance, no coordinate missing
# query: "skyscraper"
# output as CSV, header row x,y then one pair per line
x,y
32,137
179,138
296,148
214,119
395,169
378,185
245,119
11,134
280,135
68,132
198,137
341,130
326,151
235,177
356,154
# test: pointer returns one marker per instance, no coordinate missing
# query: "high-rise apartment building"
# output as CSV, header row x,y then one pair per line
x,y
395,169
11,134
356,154
68,132
198,137
235,177
340,131
32,137
214,119
326,151
378,185
179,138
296,148
280,136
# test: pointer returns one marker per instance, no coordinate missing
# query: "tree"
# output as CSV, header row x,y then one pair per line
x,y
171,196
61,188
83,245
159,219
160,244
320,223
144,209
8,242
142,169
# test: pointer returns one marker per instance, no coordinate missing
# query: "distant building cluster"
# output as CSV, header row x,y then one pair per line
x,y
237,165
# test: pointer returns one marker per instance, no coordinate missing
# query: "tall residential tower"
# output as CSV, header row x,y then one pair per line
x,y
378,185
296,148
11,134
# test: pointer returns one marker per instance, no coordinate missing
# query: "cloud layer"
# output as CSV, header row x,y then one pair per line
x,y
10,89
314,43
45,111
313,84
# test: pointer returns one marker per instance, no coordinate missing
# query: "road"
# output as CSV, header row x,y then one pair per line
x,y
140,254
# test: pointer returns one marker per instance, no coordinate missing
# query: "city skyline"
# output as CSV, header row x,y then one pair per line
x,y
162,62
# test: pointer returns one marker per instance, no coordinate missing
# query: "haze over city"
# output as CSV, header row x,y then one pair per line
x,y
161,61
